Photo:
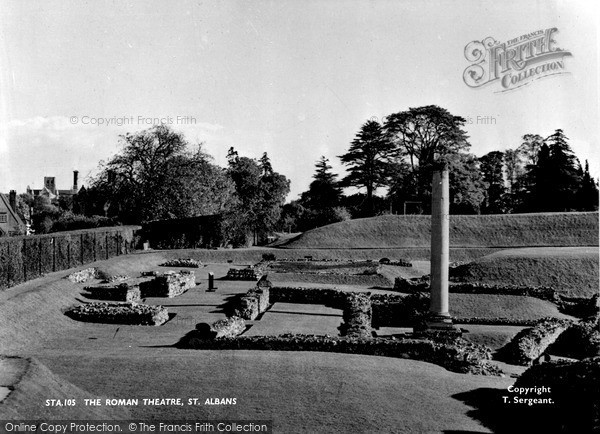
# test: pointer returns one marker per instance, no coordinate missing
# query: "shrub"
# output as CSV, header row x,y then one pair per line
x,y
68,221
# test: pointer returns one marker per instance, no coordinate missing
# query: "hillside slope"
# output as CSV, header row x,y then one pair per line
x,y
571,270
508,230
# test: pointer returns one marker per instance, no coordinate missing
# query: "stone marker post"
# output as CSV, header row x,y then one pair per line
x,y
439,315
211,281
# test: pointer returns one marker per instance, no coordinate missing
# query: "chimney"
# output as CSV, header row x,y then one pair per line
x,y
12,200
75,179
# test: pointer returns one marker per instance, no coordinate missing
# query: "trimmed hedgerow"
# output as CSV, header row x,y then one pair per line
x,y
61,252
28,257
16,268
46,255
88,242
100,246
31,258
4,265
75,251
111,244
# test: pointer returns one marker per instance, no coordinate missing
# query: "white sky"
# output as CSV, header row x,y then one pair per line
x,y
294,78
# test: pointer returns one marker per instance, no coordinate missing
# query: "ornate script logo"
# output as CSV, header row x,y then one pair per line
x,y
514,63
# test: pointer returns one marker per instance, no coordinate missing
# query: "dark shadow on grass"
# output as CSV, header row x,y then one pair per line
x,y
171,316
491,410
452,431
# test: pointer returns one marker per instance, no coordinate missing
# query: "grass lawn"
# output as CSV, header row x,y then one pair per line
x,y
309,319
301,392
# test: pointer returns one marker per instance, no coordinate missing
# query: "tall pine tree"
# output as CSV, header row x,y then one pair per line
x,y
324,191
492,169
369,161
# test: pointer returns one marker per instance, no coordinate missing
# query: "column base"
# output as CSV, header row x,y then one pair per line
x,y
438,324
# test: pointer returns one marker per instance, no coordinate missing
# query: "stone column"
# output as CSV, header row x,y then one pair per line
x,y
439,315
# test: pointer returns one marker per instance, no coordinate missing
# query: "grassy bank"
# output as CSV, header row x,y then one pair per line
x,y
500,231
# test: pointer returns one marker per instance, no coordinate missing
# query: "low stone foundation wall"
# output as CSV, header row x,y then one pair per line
x,y
398,263
459,356
576,306
581,307
263,296
192,263
398,311
223,328
114,313
249,274
329,297
357,315
83,276
120,292
169,284
495,321
247,308
422,285
529,344
581,340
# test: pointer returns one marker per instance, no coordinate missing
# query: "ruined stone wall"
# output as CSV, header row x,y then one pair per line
x,y
117,313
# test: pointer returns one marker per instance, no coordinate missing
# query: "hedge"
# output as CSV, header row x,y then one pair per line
x,y
27,257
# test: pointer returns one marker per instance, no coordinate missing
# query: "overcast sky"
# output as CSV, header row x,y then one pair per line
x,y
296,79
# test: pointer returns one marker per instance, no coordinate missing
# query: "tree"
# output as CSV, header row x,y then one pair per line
x,y
565,178
492,169
530,148
424,132
423,136
260,192
324,191
320,203
588,194
403,187
24,206
467,188
540,196
158,176
369,160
